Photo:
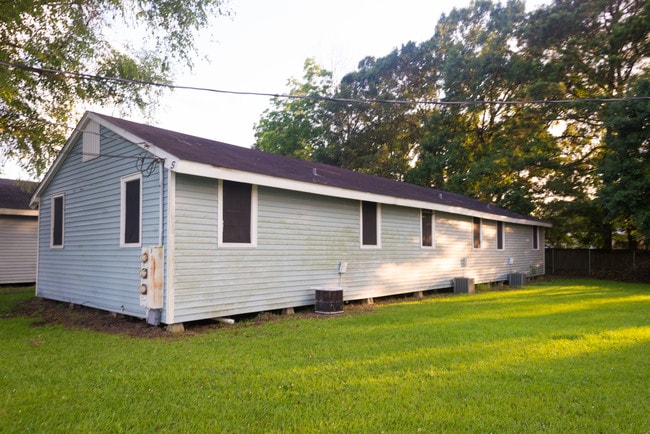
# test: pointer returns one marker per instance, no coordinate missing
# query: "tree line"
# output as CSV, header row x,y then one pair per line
x,y
540,112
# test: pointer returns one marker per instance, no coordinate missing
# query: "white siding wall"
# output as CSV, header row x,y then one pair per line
x,y
18,246
91,268
301,240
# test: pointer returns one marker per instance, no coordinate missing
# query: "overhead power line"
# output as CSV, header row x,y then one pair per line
x,y
86,76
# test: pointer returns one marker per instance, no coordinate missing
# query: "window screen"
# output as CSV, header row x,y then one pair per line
x,y
477,233
369,223
500,236
57,221
535,238
132,212
427,228
236,212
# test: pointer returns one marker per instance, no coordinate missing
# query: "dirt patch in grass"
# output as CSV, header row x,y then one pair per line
x,y
46,312
72,316
49,312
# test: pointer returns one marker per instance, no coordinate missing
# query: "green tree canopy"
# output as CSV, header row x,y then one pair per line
x,y
73,36
295,127
538,155
625,168
499,153
380,137
586,49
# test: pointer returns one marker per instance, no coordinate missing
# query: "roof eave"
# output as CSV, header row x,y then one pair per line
x,y
175,164
19,212
170,160
208,171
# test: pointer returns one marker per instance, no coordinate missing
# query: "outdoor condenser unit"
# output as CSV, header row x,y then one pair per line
x,y
328,300
516,280
464,285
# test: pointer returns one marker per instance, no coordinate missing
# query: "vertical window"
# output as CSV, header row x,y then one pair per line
x,y
535,238
476,233
500,236
369,224
56,239
238,213
131,216
427,228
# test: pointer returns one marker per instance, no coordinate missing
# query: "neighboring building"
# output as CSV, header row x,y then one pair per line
x,y
18,232
230,230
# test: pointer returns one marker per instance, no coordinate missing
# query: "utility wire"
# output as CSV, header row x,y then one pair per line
x,y
100,135
140,158
86,76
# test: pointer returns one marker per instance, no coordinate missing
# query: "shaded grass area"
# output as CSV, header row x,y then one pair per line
x,y
558,356
12,296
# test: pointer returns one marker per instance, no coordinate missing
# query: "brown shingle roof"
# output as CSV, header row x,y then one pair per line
x,y
218,154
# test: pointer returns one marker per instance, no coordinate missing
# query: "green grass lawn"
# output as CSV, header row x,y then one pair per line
x,y
12,296
556,356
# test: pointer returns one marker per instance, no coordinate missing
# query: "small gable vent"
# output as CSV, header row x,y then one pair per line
x,y
90,141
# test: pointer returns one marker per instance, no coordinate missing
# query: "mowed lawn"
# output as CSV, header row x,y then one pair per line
x,y
556,356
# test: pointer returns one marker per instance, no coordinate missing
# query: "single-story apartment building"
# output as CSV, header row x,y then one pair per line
x,y
18,232
174,228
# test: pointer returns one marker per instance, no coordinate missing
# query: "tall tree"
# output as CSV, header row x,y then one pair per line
x,y
534,156
41,37
380,137
586,49
497,152
592,47
625,168
295,126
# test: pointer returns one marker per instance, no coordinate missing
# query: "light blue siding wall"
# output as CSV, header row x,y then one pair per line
x,y
301,240
92,269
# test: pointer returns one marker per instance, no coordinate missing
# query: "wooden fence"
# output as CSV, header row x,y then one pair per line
x,y
611,264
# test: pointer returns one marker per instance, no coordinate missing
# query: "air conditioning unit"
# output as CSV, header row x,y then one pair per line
x,y
516,280
328,300
464,285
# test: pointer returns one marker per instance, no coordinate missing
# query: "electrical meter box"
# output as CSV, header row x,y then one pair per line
x,y
151,277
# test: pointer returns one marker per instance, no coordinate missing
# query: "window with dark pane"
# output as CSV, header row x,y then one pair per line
x,y
369,223
500,236
477,232
427,228
236,212
57,221
132,212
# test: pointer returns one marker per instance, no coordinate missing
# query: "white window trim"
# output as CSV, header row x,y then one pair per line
x,y
480,233
253,228
503,236
52,246
123,182
378,216
433,230
532,241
